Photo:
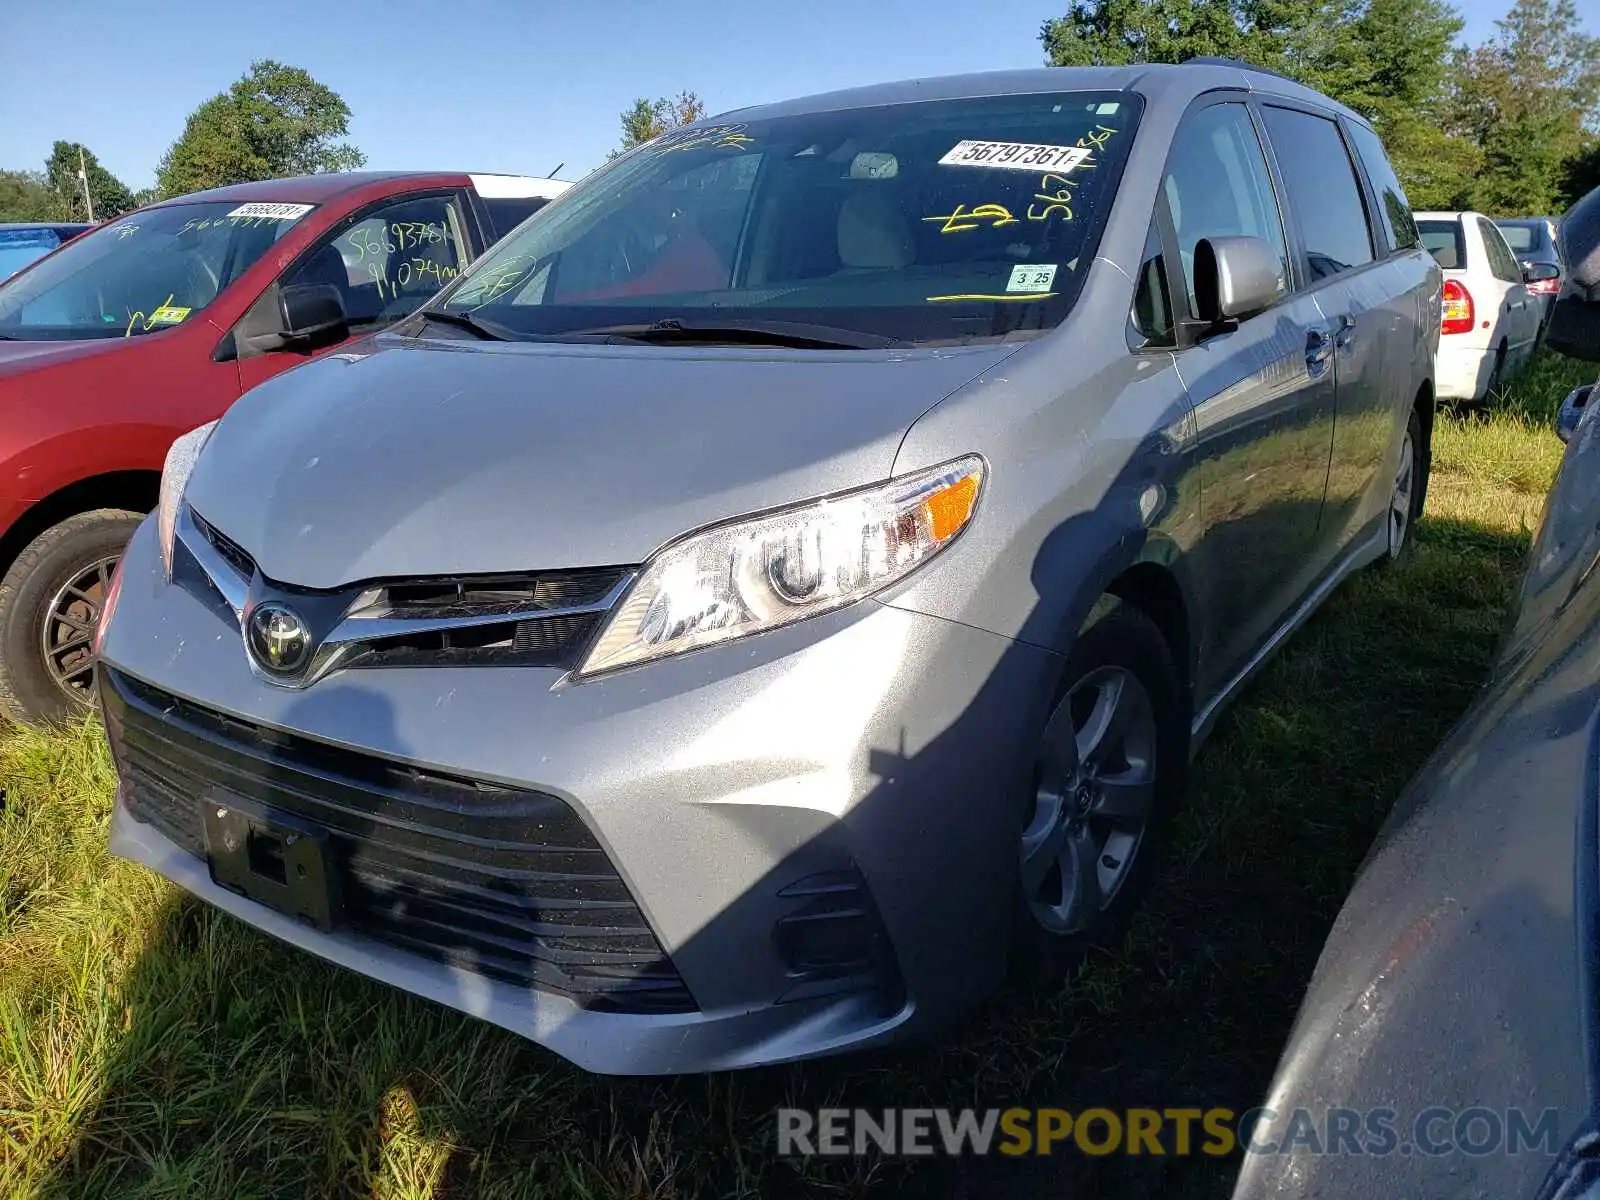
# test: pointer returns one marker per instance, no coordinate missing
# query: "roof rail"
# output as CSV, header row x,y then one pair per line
x,y
1215,61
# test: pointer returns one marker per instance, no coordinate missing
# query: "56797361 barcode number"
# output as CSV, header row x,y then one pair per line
x,y
1014,156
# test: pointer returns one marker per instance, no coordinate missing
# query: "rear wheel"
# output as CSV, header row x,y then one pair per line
x,y
49,604
1497,374
1108,768
1405,498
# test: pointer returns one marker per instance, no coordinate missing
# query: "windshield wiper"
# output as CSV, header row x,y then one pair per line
x,y
492,330
754,333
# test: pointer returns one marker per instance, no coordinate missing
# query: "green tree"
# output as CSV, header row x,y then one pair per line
x,y
26,196
1398,77
276,120
110,195
647,119
1118,32
1388,59
1526,98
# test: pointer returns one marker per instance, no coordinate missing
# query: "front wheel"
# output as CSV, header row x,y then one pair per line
x,y
49,604
1108,768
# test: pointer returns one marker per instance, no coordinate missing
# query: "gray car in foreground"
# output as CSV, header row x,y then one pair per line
x,y
777,591
1451,1024
1449,1042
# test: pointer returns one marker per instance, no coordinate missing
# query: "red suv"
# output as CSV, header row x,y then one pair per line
x,y
152,324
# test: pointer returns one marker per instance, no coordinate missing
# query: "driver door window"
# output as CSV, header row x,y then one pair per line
x,y
1217,185
390,260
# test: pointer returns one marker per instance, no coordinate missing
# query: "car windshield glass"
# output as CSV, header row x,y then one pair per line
x,y
146,272
1520,239
936,221
1444,240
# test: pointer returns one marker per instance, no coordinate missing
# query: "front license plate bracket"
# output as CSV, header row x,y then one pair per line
x,y
273,858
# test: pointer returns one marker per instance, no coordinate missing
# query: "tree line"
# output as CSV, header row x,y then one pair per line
x,y
275,120
1509,128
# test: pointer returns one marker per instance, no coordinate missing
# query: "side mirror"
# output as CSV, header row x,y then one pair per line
x,y
1538,272
1234,278
1572,410
313,313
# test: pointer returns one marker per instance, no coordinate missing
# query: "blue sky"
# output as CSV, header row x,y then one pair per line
x,y
491,85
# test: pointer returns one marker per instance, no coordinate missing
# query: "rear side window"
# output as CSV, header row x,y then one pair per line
x,y
507,212
1501,261
1394,212
1323,194
1444,241
1217,185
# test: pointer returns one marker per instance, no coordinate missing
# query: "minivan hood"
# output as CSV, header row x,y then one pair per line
x,y
442,458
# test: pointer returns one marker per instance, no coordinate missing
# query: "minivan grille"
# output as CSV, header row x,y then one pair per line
x,y
504,881
531,619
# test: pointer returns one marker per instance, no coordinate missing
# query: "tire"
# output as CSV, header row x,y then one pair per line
x,y
1407,494
76,554
1497,374
1049,941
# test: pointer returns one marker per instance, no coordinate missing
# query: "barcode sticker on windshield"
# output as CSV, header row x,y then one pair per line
x,y
273,212
1015,156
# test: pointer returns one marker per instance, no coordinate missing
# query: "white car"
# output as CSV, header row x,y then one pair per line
x,y
1490,322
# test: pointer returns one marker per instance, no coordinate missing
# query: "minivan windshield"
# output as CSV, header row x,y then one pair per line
x,y
146,272
935,221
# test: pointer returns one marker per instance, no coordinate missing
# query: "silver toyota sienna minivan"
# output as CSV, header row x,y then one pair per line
x,y
775,594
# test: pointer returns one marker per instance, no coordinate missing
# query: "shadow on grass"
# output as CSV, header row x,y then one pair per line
x,y
247,1068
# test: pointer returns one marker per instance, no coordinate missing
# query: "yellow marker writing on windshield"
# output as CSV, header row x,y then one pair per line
x,y
149,322
1056,202
964,218
987,296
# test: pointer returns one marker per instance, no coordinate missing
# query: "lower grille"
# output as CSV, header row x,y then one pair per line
x,y
503,881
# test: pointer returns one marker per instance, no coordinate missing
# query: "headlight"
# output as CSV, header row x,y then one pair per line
x,y
754,575
174,475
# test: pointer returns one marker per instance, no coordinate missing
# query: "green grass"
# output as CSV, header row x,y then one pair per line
x,y
152,1047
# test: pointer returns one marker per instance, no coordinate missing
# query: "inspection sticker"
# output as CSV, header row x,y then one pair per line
x,y
168,314
1029,278
273,212
1015,156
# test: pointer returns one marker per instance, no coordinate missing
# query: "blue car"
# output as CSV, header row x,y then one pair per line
x,y
21,244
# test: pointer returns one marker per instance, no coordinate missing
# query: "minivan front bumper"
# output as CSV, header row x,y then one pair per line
x,y
863,770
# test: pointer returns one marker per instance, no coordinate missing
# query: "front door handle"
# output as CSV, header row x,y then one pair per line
x,y
1319,350
1346,334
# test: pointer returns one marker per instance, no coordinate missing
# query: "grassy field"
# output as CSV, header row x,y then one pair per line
x,y
152,1047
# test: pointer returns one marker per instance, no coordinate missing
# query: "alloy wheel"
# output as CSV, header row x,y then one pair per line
x,y
1094,792
69,625
1400,501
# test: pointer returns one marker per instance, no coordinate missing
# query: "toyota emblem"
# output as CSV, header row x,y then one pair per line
x,y
279,639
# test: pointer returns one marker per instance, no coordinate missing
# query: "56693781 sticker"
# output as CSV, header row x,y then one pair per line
x,y
272,212
1015,156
